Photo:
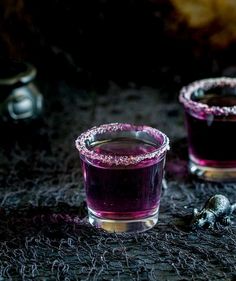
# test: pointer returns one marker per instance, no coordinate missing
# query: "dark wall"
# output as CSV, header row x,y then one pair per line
x,y
91,41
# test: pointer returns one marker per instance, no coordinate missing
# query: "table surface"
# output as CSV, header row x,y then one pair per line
x,y
44,234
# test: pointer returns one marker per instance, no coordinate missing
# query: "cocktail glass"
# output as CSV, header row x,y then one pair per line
x,y
210,111
123,170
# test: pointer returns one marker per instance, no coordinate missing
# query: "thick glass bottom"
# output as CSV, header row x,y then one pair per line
x,y
119,226
213,174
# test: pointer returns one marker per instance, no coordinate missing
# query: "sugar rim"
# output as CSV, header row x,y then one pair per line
x,y
121,160
206,84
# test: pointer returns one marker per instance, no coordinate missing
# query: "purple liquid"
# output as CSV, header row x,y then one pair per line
x,y
129,192
212,141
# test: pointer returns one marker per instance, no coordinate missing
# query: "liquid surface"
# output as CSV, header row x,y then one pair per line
x,y
123,147
218,100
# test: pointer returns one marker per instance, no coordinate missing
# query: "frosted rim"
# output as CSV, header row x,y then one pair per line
x,y
88,136
206,84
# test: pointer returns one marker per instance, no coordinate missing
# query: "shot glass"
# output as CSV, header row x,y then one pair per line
x,y
123,169
210,113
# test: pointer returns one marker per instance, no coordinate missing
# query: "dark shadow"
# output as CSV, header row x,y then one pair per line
x,y
52,222
28,134
177,161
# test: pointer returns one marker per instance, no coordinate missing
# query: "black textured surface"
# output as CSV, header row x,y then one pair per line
x,y
43,229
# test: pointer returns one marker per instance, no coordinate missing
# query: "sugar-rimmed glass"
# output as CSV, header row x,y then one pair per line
x,y
123,171
210,111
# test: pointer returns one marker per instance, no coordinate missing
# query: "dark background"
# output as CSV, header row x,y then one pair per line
x,y
147,42
100,62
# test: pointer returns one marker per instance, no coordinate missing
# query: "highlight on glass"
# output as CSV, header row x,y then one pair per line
x,y
210,113
123,170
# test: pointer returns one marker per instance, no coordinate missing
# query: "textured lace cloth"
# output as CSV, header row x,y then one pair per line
x,y
44,234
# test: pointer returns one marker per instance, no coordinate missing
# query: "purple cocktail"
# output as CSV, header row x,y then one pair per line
x,y
123,170
210,110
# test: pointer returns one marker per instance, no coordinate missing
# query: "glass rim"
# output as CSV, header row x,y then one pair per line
x,y
207,84
121,160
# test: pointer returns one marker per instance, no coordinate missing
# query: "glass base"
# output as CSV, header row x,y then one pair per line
x,y
120,226
213,174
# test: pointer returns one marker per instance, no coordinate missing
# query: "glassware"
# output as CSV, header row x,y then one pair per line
x,y
20,99
123,169
210,112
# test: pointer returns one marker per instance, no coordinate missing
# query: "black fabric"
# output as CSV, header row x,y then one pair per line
x,y
44,234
